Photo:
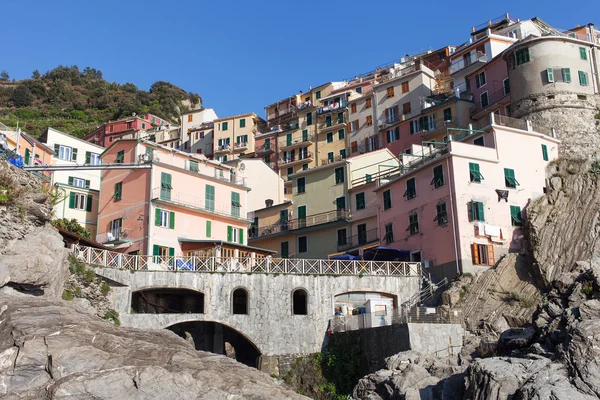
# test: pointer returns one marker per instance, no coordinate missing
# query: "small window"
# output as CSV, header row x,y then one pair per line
x,y
190,118
550,74
515,216
309,118
448,114
509,178
389,233
243,123
390,91
583,53
360,201
329,137
479,141
318,94
411,189
120,157
330,156
387,199
355,125
441,216
480,79
438,177
339,175
118,191
369,120
224,126
483,97
583,78
302,244
299,302
343,154
474,174
406,108
477,213
353,108
341,134
413,224
368,103
239,301
545,152
393,135
522,56
362,233
566,75
342,240
506,85
301,185
483,254
405,88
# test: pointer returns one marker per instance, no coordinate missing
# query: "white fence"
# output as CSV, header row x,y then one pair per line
x,y
112,259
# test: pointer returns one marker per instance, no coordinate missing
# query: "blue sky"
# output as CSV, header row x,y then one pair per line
x,y
242,55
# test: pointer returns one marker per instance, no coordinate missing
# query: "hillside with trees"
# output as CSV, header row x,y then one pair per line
x,y
77,101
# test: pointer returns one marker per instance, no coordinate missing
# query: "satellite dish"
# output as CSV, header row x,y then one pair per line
x,y
242,167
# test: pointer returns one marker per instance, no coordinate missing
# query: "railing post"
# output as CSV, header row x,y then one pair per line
x,y
136,263
89,255
492,119
104,252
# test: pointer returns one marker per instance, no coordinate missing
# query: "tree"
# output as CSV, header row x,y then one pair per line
x,y
4,77
72,226
35,74
22,96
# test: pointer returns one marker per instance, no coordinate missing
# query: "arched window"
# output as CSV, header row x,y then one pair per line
x,y
240,301
299,302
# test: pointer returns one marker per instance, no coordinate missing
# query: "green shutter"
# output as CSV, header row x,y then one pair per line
x,y
343,153
545,152
309,118
360,201
165,186
118,189
475,175
235,204
243,123
229,233
71,199
330,156
157,217
566,75
70,180
448,114
302,212
582,78
480,211
171,252
341,134
208,228
368,178
88,204
209,197
74,154
155,250
57,149
241,236
171,220
288,139
27,156
550,74
583,53
88,157
87,184
305,135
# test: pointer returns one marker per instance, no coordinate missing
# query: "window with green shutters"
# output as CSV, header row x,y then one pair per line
x,y
120,157
165,186
441,216
235,204
27,156
550,74
411,189
330,156
208,228
545,152
340,203
229,233
268,144
339,175
343,154
304,167
164,218
477,213
360,201
438,177
583,80
288,139
448,114
329,137
209,198
224,125
474,174
413,224
318,94
268,159
243,123
301,216
305,135
284,251
509,178
515,216
193,166
368,178
583,53
118,191
88,203
309,119
301,185
522,56
240,236
566,73
74,154
387,200
341,134
340,118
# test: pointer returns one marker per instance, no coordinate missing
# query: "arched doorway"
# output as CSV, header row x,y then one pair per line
x,y
218,338
299,302
239,301
167,301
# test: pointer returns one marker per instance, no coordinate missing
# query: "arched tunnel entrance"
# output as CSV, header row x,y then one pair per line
x,y
167,301
220,339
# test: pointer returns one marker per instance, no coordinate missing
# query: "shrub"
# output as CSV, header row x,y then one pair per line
x,y
67,295
588,288
77,291
75,266
113,316
104,288
90,275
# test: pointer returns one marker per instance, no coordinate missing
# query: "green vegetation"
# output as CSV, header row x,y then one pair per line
x,y
113,316
67,295
90,275
76,101
104,288
77,291
72,226
75,266
595,168
587,288
514,298
9,192
307,378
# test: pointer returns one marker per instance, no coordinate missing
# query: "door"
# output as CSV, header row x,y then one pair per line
x,y
283,218
285,250
301,216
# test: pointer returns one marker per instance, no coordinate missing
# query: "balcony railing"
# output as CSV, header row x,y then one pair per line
x,y
283,111
334,122
300,223
302,156
225,148
341,105
240,146
359,240
114,235
326,161
464,62
296,141
491,100
265,149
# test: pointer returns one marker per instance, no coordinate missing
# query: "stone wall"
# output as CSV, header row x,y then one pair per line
x,y
440,340
270,325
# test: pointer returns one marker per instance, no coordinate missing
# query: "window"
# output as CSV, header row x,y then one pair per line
x,y
290,170
328,120
368,178
209,197
243,123
235,235
550,74
522,56
369,121
165,186
304,167
302,244
340,203
120,157
438,177
358,90
235,204
309,119
329,137
65,153
515,216
583,78
477,213
115,227
193,165
509,178
80,201
341,237
301,185
483,97
566,75
301,216
318,94
441,215
78,182
118,194
474,174
389,233
413,224
360,201
483,254
164,218
208,228
447,114
545,152
368,103
479,141
284,249
341,134
305,135
390,91
393,134
239,301
224,126
299,302
353,108
387,199
406,108
391,114
343,154
339,175
92,158
480,79
354,125
242,139
411,189
362,233
190,117
583,53
405,88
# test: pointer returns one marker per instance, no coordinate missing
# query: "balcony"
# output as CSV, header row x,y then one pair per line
x,y
265,150
114,237
301,223
303,157
295,142
281,110
332,124
468,63
437,127
482,108
326,161
223,149
366,238
341,105
241,146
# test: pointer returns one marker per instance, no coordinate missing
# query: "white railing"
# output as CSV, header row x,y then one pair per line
x,y
197,202
112,259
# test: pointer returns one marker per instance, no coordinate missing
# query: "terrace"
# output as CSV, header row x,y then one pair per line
x,y
300,223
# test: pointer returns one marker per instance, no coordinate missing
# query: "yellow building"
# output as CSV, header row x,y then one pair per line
x,y
234,136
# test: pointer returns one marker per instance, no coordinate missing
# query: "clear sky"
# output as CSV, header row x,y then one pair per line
x,y
243,55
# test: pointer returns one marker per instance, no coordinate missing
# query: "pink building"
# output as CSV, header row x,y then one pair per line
x,y
173,203
490,89
459,207
265,147
126,128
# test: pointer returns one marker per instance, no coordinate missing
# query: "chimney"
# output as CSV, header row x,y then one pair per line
x,y
269,203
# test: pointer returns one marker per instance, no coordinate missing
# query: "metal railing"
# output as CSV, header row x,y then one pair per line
x,y
465,62
342,104
359,240
118,234
299,223
281,112
326,161
294,140
301,156
492,99
265,149
240,145
223,147
111,259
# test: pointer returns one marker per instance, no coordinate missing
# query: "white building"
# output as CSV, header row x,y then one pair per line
x,y
197,131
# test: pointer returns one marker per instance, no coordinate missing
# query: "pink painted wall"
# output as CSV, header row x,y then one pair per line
x,y
495,72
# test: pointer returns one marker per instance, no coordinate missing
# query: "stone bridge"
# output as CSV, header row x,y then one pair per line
x,y
261,313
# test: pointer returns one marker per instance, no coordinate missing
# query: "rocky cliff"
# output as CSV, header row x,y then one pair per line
x,y
54,349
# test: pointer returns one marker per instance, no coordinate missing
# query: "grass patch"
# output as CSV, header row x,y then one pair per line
x,y
112,315
67,295
104,288
514,298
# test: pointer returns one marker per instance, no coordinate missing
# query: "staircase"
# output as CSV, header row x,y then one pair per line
x,y
428,289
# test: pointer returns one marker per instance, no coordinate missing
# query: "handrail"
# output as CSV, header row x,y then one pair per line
x,y
492,99
299,223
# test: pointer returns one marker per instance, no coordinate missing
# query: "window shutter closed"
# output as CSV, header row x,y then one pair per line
x,y
88,205
480,211
74,154
155,250
208,228
157,217
88,157
241,236
550,74
545,152
566,75
354,146
71,199
171,252
27,156
395,112
70,180
490,250
172,220
475,252
57,149
387,114
229,233
87,184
